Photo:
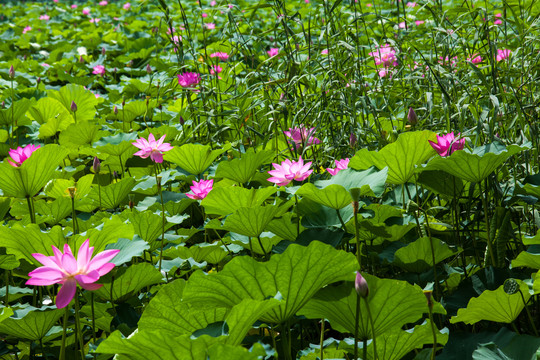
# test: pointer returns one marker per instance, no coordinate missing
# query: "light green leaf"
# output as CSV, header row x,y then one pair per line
x,y
51,115
371,182
401,157
494,305
242,170
80,134
31,323
417,256
112,195
84,99
332,196
117,144
194,158
229,352
441,183
285,227
17,115
33,174
149,226
9,262
250,221
225,201
128,250
113,229
526,259
296,275
393,303
24,241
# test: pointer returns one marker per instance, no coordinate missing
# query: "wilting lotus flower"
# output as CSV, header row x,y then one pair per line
x,y
65,269
290,170
200,189
152,148
340,165
302,136
99,70
273,52
188,79
503,54
20,155
221,55
447,144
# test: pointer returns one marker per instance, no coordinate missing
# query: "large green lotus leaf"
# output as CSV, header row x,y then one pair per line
x,y
393,303
295,276
112,195
494,305
249,221
133,110
127,281
242,170
285,227
5,204
128,250
401,157
315,215
229,352
51,115
108,233
59,209
58,188
531,240
28,179
18,115
84,99
194,158
149,226
526,259
332,196
9,262
117,144
31,323
167,312
441,183
157,345
226,200
489,352
25,241
371,182
84,133
417,256
473,166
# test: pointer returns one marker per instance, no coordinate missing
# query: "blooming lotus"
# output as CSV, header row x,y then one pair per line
x,y
215,69
200,189
385,55
86,11
340,165
126,6
220,55
210,26
475,59
290,170
20,154
273,52
448,143
44,17
188,79
503,54
302,136
98,69
26,29
152,148
65,269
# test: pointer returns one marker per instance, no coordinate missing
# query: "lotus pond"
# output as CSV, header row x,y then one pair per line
x,y
248,180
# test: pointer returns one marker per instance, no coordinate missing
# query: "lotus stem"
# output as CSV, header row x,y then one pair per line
x,y
357,320
490,247
322,338
433,328
528,314
372,329
78,325
31,210
64,326
6,298
158,182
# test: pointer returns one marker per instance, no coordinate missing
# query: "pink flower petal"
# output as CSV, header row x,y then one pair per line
x,y
66,293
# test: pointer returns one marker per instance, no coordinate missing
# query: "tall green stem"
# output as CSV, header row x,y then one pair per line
x,y
357,320
6,298
64,330
372,329
486,218
31,210
78,324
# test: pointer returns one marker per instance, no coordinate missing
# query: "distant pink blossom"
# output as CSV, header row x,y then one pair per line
x,y
55,1
95,21
324,51
340,165
103,3
411,4
385,55
503,54
447,144
126,6
200,189
215,69
20,154
302,136
86,11
220,55
289,170
65,269
231,6
369,5
210,26
26,29
152,148
44,17
73,6
99,69
213,3
402,25
475,59
204,15
419,22
273,52
188,79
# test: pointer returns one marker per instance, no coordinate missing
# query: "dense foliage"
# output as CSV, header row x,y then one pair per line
x,y
277,179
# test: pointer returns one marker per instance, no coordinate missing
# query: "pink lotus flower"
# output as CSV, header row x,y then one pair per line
x,y
213,3
126,6
385,55
216,69
96,20
65,269
152,148
498,21
99,69
74,6
290,170
411,4
26,29
324,51
86,11
20,155
419,22
220,55
210,26
204,15
503,54
475,59
200,189
44,17
340,165
103,3
447,144
302,136
273,52
188,79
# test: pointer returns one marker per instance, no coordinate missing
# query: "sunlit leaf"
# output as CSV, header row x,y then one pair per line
x,y
224,201
242,170
31,323
417,256
84,99
194,158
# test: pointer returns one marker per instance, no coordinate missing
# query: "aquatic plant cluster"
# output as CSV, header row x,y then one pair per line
x,y
269,180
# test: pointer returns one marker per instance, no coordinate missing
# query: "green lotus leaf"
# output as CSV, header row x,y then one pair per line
x,y
401,157
249,221
417,256
393,303
51,115
295,276
226,200
9,262
28,179
242,170
473,166
285,227
128,250
30,323
332,196
527,259
128,280
494,305
117,144
112,195
441,182
18,115
149,226
81,134
111,230
84,99
194,158
229,352
5,204
371,182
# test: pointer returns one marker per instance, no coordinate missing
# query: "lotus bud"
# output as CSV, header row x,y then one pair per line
x,y
25,57
103,51
411,117
429,297
38,80
73,106
361,285
353,140
182,121
115,110
158,181
96,165
3,104
11,72
148,69
131,198
115,174
71,190
81,60
123,102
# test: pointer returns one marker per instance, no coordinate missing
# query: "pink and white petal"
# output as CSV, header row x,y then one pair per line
x,y
69,264
156,157
151,138
89,278
46,272
91,287
46,260
106,268
66,293
101,259
143,153
192,196
83,256
41,282
165,147
160,140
